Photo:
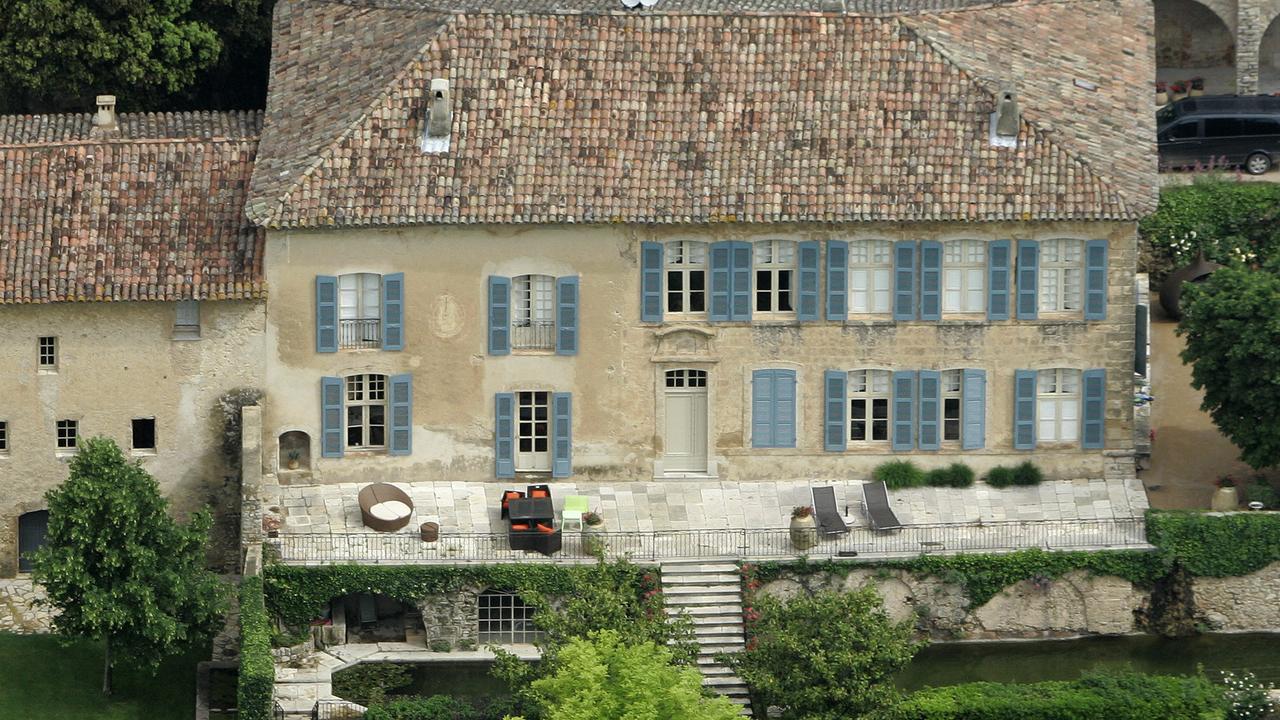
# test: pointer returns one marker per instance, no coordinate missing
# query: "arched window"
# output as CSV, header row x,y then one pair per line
x,y
505,619
32,528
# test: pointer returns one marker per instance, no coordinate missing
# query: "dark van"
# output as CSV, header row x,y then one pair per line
x,y
1220,130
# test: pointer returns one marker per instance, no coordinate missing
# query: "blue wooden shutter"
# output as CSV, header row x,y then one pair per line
x,y
904,403
809,262
1024,410
499,315
561,435
762,408
930,409
1028,279
930,280
721,281
393,311
998,280
836,410
651,282
740,282
331,417
973,411
1095,280
1095,388
326,313
567,315
837,279
504,435
401,415
784,413
904,281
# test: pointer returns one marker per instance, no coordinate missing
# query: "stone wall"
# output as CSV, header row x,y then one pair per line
x,y
19,612
1075,604
450,620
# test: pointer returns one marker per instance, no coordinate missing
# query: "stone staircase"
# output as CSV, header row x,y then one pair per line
x,y
710,591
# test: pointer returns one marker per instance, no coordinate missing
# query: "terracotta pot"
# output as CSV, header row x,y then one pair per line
x,y
1171,289
804,532
1225,499
293,464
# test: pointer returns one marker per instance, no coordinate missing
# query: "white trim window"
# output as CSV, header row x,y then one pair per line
x,y
869,406
360,310
47,352
186,320
775,268
952,389
533,320
1061,275
67,434
1058,405
366,412
686,273
964,272
533,431
870,276
4,437
505,619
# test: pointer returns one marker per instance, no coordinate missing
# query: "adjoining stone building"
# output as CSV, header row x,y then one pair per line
x,y
1233,44
754,240
131,299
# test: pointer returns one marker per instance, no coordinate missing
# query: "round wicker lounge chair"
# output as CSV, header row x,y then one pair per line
x,y
384,507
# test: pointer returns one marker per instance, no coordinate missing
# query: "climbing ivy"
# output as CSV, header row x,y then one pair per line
x,y
1216,545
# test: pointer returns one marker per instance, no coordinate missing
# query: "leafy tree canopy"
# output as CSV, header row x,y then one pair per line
x,y
119,569
829,656
1232,331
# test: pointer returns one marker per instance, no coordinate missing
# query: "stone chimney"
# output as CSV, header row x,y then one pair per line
x,y
1008,117
438,117
105,118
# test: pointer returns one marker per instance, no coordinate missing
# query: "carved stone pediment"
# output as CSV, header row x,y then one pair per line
x,y
685,343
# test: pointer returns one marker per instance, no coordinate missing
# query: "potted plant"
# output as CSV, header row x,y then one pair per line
x,y
293,459
1162,93
1177,91
804,531
593,533
1225,498
1197,86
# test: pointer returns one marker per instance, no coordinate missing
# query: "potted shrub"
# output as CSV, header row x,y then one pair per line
x,y
1225,498
293,459
1177,91
1197,87
1162,93
804,530
593,533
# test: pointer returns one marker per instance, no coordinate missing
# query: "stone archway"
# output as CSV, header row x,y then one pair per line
x,y
1269,59
1197,38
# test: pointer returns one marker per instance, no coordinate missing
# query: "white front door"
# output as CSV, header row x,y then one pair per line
x,y
685,437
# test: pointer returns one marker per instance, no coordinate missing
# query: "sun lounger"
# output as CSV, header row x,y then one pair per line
x,y
824,509
875,502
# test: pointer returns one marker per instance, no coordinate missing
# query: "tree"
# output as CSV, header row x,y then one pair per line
x,y
601,678
119,569
829,656
1232,332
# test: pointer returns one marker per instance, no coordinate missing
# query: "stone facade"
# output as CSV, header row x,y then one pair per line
x,y
617,376
118,361
1249,602
1213,33
451,621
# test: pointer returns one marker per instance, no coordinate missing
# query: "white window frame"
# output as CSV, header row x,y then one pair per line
x,y
870,277
866,386
360,310
533,431
366,394
774,260
1058,402
504,618
47,352
685,378
964,276
1062,276
186,320
66,434
155,439
684,262
951,392
533,312
4,437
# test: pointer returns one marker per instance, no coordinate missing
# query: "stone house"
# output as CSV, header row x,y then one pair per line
x,y
779,239
131,299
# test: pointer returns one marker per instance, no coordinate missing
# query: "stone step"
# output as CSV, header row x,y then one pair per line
x,y
717,589
730,610
698,563
710,650
716,671
721,682
701,631
703,600
727,579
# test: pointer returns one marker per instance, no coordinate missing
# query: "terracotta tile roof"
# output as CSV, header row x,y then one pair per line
x,y
684,117
151,212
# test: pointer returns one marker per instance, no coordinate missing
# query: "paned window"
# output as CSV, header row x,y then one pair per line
x,y
186,320
870,276
533,431
964,272
505,619
869,406
686,277
67,433
366,412
686,378
1058,405
952,405
4,438
1061,275
47,352
360,310
775,263
533,325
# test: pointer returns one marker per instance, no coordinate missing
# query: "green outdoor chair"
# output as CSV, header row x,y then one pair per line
x,y
574,506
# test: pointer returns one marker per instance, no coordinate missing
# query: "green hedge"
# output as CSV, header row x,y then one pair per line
x,y
1231,221
441,707
1216,545
1096,696
899,474
957,475
257,667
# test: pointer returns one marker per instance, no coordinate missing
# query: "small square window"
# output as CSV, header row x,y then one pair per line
x,y
4,438
48,353
186,320
68,430
144,434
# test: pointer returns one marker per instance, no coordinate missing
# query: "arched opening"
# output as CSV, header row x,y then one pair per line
x,y
1193,41
372,618
295,450
1269,59
32,528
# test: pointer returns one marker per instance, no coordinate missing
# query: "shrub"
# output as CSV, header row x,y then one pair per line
x,y
898,474
1261,491
1026,473
956,475
1246,697
369,683
441,707
1230,222
1000,476
257,667
1216,545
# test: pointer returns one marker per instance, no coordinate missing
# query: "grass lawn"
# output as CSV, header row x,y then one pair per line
x,y
42,680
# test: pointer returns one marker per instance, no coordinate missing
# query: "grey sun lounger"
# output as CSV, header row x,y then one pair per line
x,y
824,509
875,501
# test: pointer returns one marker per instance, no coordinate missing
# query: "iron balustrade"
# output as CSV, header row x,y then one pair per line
x,y
747,544
360,333
533,335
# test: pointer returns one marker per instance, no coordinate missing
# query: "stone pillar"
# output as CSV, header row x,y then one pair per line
x,y
1250,25
251,489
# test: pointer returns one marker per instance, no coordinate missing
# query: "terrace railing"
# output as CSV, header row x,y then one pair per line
x,y
747,544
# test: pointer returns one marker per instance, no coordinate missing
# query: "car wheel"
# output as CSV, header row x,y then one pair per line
x,y
1257,163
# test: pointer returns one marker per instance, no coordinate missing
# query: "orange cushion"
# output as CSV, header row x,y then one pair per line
x,y
539,494
545,529
519,526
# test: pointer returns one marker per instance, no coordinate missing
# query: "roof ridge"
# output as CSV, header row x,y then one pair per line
x,y
1054,139
116,140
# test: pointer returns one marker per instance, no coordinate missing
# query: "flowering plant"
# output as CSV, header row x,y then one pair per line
x,y
801,511
592,518
1247,697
